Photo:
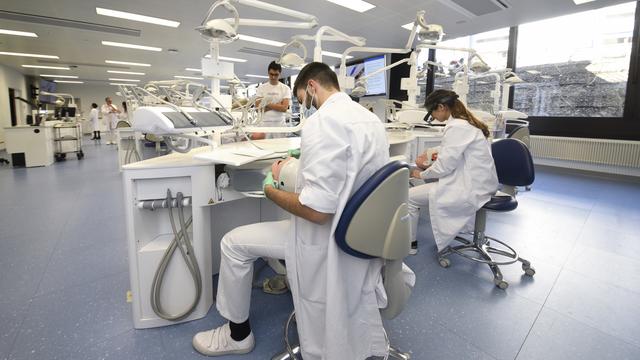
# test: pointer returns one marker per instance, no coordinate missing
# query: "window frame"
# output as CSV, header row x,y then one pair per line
x,y
626,127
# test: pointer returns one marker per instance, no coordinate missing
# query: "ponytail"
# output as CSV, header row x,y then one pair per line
x,y
458,110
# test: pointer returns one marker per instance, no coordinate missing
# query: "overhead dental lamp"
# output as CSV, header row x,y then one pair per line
x,y
360,89
512,78
479,67
292,60
219,30
430,34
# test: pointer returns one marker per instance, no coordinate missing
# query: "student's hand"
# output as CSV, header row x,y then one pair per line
x,y
421,161
268,181
415,173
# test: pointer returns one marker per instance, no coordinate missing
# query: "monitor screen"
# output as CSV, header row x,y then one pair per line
x,y
67,112
376,84
48,86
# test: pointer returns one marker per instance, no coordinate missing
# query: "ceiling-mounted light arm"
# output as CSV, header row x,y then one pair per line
x,y
325,37
308,21
360,87
276,23
317,52
419,22
277,9
293,60
61,96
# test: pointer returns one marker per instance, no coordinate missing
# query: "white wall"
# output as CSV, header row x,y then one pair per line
x,y
10,78
89,93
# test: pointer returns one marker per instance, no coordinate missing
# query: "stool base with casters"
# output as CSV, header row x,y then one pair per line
x,y
485,249
293,352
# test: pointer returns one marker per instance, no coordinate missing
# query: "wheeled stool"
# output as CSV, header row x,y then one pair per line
x,y
514,167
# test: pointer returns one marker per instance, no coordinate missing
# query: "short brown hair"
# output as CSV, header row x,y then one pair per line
x,y
319,72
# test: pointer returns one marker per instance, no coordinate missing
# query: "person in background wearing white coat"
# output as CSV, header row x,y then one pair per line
x,y
110,115
334,294
463,168
95,122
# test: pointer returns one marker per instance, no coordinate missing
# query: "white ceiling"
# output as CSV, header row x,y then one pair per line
x,y
381,26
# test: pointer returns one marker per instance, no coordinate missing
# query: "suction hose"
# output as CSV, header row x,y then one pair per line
x,y
181,241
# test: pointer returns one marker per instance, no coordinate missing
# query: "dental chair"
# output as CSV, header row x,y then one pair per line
x,y
514,166
518,129
375,224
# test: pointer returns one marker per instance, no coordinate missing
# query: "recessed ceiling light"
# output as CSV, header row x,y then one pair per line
x,y
188,77
225,58
29,55
17,33
60,76
118,84
356,5
68,81
261,40
131,46
125,72
116,79
126,63
193,69
137,17
408,26
257,76
46,67
580,2
335,55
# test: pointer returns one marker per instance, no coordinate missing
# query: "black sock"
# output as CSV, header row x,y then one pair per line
x,y
240,331
98,134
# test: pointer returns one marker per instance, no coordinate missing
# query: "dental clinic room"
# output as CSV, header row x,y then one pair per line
x,y
320,180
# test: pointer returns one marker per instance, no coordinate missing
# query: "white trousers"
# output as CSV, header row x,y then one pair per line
x,y
418,198
111,126
239,249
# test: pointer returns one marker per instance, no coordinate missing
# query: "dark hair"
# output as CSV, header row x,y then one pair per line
x,y
449,99
124,106
275,66
319,72
94,105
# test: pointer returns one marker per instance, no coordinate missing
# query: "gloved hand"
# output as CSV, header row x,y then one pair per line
x,y
268,180
294,153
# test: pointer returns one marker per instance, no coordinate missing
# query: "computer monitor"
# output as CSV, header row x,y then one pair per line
x,y
67,112
376,84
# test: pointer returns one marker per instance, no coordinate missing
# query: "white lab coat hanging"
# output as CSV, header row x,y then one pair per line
x,y
466,177
334,293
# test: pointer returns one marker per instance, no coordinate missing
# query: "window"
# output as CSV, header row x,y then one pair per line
x,y
492,46
575,65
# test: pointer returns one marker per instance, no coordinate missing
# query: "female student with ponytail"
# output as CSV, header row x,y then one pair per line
x,y
463,173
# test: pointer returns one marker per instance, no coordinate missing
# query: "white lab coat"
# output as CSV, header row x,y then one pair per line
x,y
334,294
110,118
466,177
93,116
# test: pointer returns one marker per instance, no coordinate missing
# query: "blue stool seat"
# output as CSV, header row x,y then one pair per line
x,y
501,203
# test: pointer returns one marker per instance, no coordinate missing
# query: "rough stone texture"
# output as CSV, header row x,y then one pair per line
x,y
564,90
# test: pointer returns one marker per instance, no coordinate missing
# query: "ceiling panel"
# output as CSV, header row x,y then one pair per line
x,y
381,26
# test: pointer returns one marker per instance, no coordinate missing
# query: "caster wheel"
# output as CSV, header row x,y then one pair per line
x,y
501,283
529,271
444,262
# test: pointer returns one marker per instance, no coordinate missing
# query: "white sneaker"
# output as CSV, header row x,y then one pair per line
x,y
216,342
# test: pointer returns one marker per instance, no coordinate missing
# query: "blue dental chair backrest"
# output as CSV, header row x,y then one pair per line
x,y
375,224
513,161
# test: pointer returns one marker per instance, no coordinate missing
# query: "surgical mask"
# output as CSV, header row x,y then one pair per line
x,y
305,111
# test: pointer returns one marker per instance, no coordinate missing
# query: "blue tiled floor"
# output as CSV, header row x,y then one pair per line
x,y
64,275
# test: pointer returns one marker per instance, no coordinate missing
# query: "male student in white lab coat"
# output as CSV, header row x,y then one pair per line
x,y
334,294
274,98
463,167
